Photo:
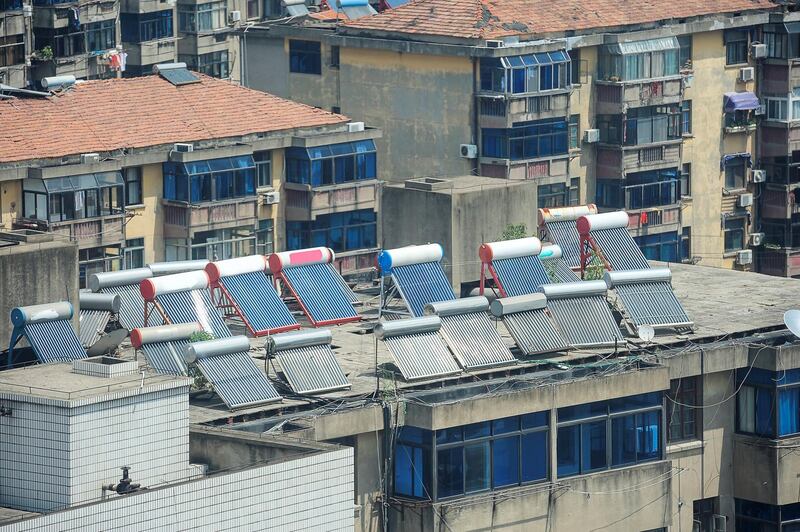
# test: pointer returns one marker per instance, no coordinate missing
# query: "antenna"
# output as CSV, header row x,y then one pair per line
x,y
647,333
792,320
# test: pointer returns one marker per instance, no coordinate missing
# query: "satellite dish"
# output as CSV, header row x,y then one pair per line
x,y
107,343
792,320
647,333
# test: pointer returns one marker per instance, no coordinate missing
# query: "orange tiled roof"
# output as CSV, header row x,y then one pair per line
x,y
489,19
328,14
107,115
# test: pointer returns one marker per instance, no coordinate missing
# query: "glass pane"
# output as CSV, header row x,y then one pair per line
x,y
635,402
594,445
538,419
788,411
568,450
623,440
765,412
535,456
582,411
450,472
109,178
502,426
449,435
505,461
649,435
476,467
476,430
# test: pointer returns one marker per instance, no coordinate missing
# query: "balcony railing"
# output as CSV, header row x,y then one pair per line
x,y
208,215
780,262
304,202
87,232
356,262
611,95
780,203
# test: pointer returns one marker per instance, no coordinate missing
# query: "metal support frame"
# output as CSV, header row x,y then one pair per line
x,y
588,244
222,299
390,295
498,289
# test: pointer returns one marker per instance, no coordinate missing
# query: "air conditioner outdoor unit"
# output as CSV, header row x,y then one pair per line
x,y
469,151
182,147
235,16
761,111
747,74
494,44
744,256
89,158
271,198
591,136
355,127
756,239
758,50
758,176
745,200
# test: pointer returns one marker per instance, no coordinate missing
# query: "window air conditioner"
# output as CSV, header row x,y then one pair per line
x,y
183,147
756,239
591,136
355,127
758,50
494,44
271,198
745,200
235,16
747,74
758,176
469,151
744,256
89,158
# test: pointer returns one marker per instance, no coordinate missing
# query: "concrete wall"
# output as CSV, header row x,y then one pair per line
x,y
266,65
148,220
310,493
31,274
53,456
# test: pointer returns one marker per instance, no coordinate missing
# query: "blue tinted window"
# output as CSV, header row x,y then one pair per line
x,y
414,435
451,435
450,471
568,446
476,430
623,440
538,419
570,413
593,445
649,434
505,460
534,456
635,402
476,467
788,411
508,424
410,467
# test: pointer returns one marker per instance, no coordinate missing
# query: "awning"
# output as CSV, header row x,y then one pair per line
x,y
541,58
740,101
640,47
726,159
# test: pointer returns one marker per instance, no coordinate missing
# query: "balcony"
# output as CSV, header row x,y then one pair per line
x,y
780,203
748,128
57,16
142,6
779,139
87,232
654,220
614,97
304,202
182,220
503,111
780,76
152,52
11,24
766,470
613,161
357,262
781,262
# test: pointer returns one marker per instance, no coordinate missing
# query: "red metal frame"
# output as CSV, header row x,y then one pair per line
x,y
587,245
313,322
498,284
225,301
160,310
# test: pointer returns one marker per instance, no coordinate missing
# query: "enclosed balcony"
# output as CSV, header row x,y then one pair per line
x,y
149,38
60,14
779,202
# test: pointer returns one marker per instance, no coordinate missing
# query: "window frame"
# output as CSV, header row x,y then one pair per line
x,y
736,47
213,15
305,57
133,174
12,50
134,247
726,230
684,395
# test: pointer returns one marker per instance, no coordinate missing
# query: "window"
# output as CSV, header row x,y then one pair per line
x,y
640,190
526,140
332,164
96,260
685,52
133,186
252,9
210,180
574,190
661,246
263,160
213,64
10,5
768,403
686,244
686,179
265,237
735,172
777,44
734,234
574,132
473,458
758,517
65,42
777,109
134,253
635,60
146,26
682,409
202,17
305,57
334,57
735,47
214,245
101,36
539,72
554,195
61,199
12,50
686,117
615,433
342,231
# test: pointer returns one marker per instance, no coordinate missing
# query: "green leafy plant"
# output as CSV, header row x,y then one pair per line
x,y
514,231
594,270
199,381
45,53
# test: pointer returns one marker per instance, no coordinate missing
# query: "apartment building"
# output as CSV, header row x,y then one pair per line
x,y
156,168
655,111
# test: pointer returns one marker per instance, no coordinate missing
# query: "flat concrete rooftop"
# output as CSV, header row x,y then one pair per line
x,y
722,303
